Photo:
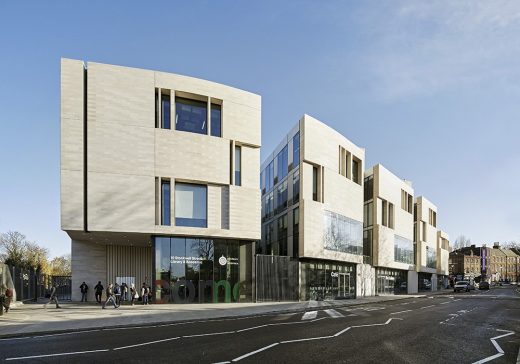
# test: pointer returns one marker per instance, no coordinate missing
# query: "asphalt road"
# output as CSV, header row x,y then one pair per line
x,y
450,328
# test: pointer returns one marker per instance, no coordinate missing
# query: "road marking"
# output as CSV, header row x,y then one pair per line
x,y
309,315
58,354
352,314
444,303
396,313
422,308
210,334
333,313
280,323
255,352
147,343
497,347
458,299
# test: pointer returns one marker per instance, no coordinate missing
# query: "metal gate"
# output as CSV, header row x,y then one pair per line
x,y
276,278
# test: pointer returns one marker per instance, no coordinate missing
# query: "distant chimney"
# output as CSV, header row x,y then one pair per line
x,y
496,245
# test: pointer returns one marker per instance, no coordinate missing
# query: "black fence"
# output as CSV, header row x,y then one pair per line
x,y
29,284
276,278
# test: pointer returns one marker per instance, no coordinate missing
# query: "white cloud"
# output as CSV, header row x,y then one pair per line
x,y
426,47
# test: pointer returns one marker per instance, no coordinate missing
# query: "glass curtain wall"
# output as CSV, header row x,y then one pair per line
x,y
193,270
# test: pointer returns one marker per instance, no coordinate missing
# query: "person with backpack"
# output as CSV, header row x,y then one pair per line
x,y
110,296
83,288
117,293
98,291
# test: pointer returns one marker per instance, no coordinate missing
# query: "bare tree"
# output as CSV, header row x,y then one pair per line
x,y
461,242
511,244
13,248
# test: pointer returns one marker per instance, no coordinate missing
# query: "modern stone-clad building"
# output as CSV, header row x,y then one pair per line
x,y
426,241
312,217
388,231
159,182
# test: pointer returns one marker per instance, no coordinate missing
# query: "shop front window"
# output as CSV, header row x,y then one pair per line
x,y
193,270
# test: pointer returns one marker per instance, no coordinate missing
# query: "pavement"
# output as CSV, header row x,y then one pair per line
x,y
34,318
474,327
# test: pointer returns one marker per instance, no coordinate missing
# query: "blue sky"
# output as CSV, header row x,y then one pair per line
x,y
430,89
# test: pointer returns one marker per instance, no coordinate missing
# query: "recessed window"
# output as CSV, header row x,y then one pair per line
x,y
190,205
191,115
165,202
281,161
238,166
216,120
356,170
165,111
315,183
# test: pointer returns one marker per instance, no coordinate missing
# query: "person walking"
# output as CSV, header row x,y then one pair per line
x,y
98,291
124,291
133,293
110,296
53,297
83,288
6,295
144,294
117,293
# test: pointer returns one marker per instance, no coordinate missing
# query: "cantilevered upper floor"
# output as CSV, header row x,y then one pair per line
x,y
148,152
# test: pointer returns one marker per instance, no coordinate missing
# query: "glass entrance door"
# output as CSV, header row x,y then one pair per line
x,y
344,284
385,285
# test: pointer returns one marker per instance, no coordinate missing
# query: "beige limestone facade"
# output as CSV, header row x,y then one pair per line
x,y
129,138
319,191
388,229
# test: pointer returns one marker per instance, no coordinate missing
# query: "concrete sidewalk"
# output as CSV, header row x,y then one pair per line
x,y
33,318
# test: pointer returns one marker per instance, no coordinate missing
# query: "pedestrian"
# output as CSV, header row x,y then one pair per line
x,y
83,288
133,293
6,295
110,296
8,299
99,291
53,297
144,294
117,293
124,291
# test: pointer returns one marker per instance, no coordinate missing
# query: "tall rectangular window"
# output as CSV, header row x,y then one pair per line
x,y
356,163
281,160
296,186
216,120
296,232
191,115
315,183
384,213
165,202
190,205
157,123
269,178
424,235
165,111
238,166
296,150
391,215
369,188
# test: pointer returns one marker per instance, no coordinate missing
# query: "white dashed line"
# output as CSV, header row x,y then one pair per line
x,y
444,303
422,308
59,354
255,352
395,313
147,343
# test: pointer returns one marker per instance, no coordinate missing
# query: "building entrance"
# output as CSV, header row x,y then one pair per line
x,y
343,285
391,281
